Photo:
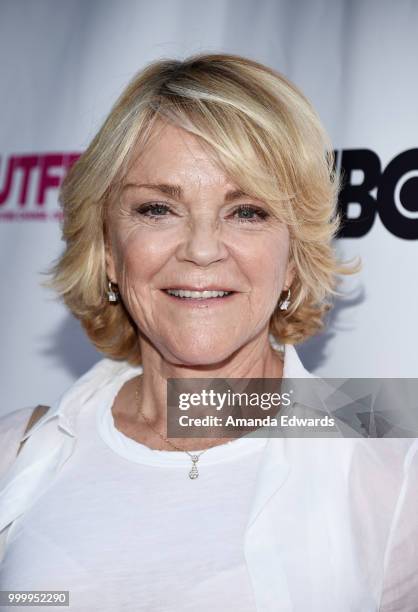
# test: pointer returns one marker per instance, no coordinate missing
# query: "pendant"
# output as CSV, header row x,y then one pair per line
x,y
194,472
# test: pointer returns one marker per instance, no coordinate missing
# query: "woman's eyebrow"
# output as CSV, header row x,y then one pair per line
x,y
176,192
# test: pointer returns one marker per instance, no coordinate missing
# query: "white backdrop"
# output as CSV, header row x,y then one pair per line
x,y
63,65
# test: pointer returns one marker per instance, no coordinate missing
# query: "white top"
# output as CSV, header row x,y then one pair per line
x,y
326,523
124,525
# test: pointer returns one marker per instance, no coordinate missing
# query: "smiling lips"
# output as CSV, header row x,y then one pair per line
x,y
201,295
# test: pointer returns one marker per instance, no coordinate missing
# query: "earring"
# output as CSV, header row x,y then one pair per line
x,y
112,294
284,304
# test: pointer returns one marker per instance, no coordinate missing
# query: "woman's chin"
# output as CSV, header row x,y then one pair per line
x,y
201,353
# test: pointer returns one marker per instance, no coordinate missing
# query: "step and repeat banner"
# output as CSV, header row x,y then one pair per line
x,y
64,64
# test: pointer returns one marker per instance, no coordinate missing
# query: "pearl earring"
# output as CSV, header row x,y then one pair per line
x,y
112,294
284,304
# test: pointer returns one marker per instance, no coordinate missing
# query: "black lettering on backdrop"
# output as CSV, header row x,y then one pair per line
x,y
396,199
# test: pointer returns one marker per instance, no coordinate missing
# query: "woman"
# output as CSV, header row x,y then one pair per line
x,y
198,228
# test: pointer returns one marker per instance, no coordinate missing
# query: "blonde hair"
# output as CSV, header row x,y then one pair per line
x,y
264,134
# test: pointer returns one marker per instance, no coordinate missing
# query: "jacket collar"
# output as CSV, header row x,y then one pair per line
x,y
105,372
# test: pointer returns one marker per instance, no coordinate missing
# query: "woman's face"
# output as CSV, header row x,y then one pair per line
x,y
182,224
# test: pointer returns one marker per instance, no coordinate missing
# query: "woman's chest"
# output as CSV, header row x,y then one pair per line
x,y
122,532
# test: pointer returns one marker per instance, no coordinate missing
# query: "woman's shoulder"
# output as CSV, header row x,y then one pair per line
x,y
15,425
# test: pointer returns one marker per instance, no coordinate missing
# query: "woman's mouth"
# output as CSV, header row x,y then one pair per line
x,y
197,295
199,298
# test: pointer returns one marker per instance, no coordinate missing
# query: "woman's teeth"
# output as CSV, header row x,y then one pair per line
x,y
201,295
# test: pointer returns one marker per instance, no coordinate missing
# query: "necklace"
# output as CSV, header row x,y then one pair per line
x,y
194,472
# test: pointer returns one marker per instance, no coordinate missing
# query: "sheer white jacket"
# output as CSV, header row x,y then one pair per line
x,y
333,524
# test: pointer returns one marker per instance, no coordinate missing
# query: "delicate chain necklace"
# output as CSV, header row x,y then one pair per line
x,y
194,472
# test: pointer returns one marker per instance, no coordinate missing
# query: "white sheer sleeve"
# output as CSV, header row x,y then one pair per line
x,y
12,427
400,582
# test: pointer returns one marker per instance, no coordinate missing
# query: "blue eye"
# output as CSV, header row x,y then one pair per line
x,y
249,211
154,207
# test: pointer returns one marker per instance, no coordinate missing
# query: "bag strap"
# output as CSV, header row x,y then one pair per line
x,y
38,412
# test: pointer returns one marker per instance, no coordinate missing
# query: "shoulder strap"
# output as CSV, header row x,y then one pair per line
x,y
38,412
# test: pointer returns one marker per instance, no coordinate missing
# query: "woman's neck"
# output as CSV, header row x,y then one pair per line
x,y
140,408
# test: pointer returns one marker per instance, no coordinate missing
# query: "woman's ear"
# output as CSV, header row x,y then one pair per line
x,y
290,274
109,260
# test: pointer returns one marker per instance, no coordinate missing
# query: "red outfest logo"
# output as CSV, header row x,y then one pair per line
x,y
29,183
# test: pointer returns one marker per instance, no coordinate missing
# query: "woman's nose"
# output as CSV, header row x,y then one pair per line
x,y
202,243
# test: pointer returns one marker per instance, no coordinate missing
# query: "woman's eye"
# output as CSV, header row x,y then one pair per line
x,y
244,213
251,214
152,210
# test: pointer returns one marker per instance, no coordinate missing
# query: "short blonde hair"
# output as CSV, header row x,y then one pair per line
x,y
265,135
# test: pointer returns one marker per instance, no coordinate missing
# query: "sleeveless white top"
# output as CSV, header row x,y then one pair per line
x,y
125,526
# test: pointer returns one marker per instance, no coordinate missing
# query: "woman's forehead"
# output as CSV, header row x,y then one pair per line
x,y
170,143
174,156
